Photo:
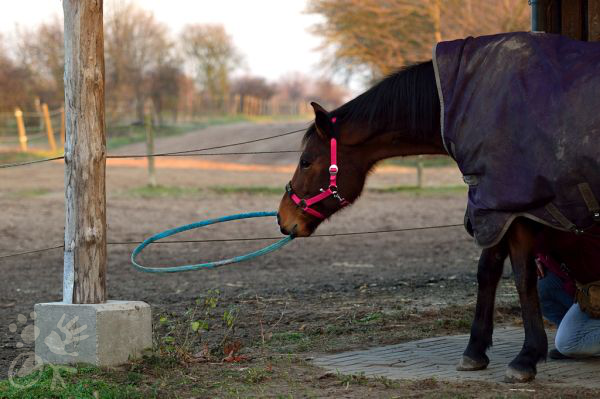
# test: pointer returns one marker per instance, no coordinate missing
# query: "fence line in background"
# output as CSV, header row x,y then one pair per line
x,y
232,105
179,153
45,116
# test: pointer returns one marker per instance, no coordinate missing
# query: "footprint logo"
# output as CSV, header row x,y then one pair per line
x,y
29,333
28,362
72,334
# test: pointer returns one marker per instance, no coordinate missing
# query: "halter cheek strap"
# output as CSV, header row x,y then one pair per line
x,y
331,191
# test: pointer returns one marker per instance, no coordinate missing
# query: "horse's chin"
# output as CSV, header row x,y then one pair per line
x,y
300,227
303,231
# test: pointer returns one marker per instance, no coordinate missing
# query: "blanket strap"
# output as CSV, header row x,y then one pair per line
x,y
590,200
562,219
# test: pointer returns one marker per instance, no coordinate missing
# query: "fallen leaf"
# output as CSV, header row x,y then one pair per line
x,y
231,348
235,359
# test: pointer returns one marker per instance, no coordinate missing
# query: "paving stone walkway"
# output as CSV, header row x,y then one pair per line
x,y
437,357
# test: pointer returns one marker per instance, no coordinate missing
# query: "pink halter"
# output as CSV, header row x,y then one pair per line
x,y
331,191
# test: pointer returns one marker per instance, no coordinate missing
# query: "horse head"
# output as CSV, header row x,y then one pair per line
x,y
330,175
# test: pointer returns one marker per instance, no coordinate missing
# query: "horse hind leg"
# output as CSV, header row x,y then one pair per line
x,y
523,368
489,271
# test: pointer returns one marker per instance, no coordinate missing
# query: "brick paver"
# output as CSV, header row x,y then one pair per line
x,y
437,357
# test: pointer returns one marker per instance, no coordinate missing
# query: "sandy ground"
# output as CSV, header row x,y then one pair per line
x,y
427,269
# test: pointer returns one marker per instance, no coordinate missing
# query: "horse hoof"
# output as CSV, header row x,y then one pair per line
x,y
513,375
468,364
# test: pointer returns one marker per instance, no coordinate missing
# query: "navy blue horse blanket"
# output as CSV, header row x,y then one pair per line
x,y
521,117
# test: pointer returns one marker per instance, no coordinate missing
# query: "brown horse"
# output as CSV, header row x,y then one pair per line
x,y
400,116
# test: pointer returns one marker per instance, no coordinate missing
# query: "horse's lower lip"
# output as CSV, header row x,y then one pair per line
x,y
284,231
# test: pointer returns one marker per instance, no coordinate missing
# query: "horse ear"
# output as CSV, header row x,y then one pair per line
x,y
323,122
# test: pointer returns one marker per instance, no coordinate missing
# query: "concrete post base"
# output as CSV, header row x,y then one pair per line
x,y
106,334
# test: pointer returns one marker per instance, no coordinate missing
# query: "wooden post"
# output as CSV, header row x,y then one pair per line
x,y
62,126
21,129
245,105
49,129
85,154
150,150
237,104
593,20
420,171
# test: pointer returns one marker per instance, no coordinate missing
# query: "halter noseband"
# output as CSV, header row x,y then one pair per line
x,y
331,191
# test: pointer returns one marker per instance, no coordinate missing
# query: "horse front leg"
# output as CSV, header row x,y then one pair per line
x,y
489,272
523,368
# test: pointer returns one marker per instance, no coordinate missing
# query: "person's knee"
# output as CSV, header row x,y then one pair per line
x,y
565,346
571,346
570,349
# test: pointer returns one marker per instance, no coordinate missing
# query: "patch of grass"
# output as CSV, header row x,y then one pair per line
x,y
432,161
255,375
371,318
288,337
160,191
261,190
426,191
462,324
291,342
63,382
184,372
356,379
386,382
30,193
119,136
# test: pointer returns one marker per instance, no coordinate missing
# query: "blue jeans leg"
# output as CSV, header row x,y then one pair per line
x,y
554,299
578,334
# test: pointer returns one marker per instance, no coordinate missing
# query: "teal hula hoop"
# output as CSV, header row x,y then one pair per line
x,y
208,265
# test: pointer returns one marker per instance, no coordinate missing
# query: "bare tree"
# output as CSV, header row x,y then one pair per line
x,y
256,86
136,44
41,49
293,86
211,52
378,36
165,88
327,93
14,79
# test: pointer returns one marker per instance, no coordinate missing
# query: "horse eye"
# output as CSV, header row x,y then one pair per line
x,y
304,163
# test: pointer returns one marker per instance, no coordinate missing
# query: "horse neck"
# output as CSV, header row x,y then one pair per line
x,y
399,116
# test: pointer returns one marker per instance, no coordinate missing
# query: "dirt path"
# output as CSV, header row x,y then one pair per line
x,y
311,285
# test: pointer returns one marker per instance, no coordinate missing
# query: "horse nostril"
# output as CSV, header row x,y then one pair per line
x,y
278,218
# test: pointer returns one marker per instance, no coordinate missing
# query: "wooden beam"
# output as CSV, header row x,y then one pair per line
x,y
49,130
85,154
594,20
21,129
572,19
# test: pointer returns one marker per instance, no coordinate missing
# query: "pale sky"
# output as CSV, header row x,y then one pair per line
x,y
273,35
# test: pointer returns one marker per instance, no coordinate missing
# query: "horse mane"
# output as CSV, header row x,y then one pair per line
x,y
405,101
